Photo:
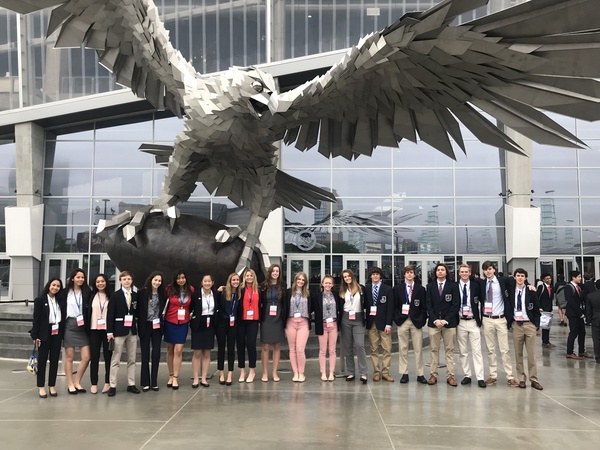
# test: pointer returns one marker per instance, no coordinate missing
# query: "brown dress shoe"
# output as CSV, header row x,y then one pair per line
x,y
451,381
376,377
573,356
491,380
585,355
513,383
386,377
536,385
522,384
432,380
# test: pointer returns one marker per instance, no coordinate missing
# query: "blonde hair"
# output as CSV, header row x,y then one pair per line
x,y
254,283
353,287
332,281
229,289
304,288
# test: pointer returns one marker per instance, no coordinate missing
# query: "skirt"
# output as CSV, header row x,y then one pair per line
x,y
272,330
175,334
203,339
75,336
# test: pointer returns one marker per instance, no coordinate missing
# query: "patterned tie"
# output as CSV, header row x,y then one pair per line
x,y
519,303
375,293
490,293
410,289
465,296
440,289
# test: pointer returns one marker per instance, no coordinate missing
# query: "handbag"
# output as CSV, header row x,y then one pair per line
x,y
32,364
545,320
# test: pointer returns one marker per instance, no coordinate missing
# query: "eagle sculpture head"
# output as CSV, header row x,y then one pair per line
x,y
253,87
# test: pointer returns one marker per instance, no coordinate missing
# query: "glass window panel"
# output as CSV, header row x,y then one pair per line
x,y
560,241
590,211
591,241
426,240
479,240
365,239
308,240
66,239
480,211
167,129
558,211
121,154
355,183
381,158
4,202
65,211
423,211
378,209
484,182
478,155
67,182
590,157
557,182
138,131
8,180
8,156
587,130
590,182
122,182
305,216
79,136
292,158
69,154
423,183
319,178
419,155
3,250
550,156
158,178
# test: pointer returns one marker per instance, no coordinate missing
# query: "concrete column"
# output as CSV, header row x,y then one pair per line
x,y
25,268
278,30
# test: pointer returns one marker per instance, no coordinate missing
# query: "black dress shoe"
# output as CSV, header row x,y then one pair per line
x,y
155,388
133,389
350,378
81,390
421,379
112,392
465,380
404,378
204,384
481,384
53,394
221,381
364,380
228,383
195,385
72,392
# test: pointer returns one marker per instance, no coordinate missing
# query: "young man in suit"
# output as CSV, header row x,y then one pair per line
x,y
545,294
468,331
380,311
121,327
592,311
497,314
410,314
526,314
442,301
575,297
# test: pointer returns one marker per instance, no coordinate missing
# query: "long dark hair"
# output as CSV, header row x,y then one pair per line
x,y
46,289
161,288
85,287
107,290
175,290
266,285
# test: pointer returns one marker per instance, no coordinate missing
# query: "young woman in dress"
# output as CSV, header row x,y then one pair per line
x,y
49,313
228,300
203,330
273,319
353,325
327,308
298,324
176,323
97,320
248,318
77,295
151,303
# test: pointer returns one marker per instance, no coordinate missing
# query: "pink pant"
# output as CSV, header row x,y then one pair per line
x,y
328,340
297,335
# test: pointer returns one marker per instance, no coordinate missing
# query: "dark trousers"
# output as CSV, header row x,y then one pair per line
x,y
99,342
246,338
225,337
596,341
576,330
545,336
147,338
49,347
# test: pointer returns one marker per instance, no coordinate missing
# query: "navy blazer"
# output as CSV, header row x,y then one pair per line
x,y
530,304
503,281
223,310
385,306
418,308
142,310
443,307
117,310
197,320
265,303
575,301
476,300
544,298
41,312
317,309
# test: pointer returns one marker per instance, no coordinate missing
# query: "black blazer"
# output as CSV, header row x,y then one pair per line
x,y
503,281
41,325
530,304
575,301
544,298
593,308
444,307
222,308
117,310
476,300
265,304
86,309
197,320
385,306
142,310
240,309
287,307
418,309
317,309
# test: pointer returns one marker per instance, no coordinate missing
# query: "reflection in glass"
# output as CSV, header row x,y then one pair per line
x,y
79,136
590,157
8,155
423,211
590,211
4,202
426,240
591,240
558,211
166,129
479,240
122,182
136,132
66,211
589,182
292,158
355,183
558,182
480,211
423,183
70,240
478,155
419,155
560,240
67,182
69,155
483,182
122,154
381,158
300,239
550,156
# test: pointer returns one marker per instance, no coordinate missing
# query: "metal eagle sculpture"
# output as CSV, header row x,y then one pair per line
x,y
420,76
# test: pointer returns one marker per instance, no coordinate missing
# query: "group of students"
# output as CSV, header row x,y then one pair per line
x,y
96,320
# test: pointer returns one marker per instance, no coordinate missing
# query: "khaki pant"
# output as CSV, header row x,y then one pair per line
x,y
468,334
525,334
435,337
377,338
416,335
491,329
130,342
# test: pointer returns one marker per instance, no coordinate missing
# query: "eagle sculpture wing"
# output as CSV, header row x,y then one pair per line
x,y
422,75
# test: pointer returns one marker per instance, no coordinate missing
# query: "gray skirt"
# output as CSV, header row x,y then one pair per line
x,y
75,336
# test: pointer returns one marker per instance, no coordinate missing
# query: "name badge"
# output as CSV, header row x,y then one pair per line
x,y
352,315
405,309
155,324
487,308
181,314
208,322
519,316
466,310
80,320
101,324
231,321
329,322
373,311
250,314
128,320
54,331
273,310
297,317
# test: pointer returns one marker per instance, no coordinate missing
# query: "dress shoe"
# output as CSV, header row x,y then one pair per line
x,y
170,382
573,356
81,390
536,385
432,380
491,380
133,389
204,384
175,386
44,395
94,390
146,388
155,388
451,381
421,379
376,378
585,355
112,392
250,379
72,392
228,383
465,380
195,385
404,379
513,383
546,345
295,378
522,384
53,393
350,378
301,378
363,380
323,377
481,384
387,378
551,345
222,382
331,377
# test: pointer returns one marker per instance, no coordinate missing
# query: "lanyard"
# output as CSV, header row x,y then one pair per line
x,y
182,300
207,301
273,293
102,304
409,291
78,303
52,303
297,300
233,301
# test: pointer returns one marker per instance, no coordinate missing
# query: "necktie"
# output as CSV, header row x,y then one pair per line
x,y
549,292
410,289
375,293
490,294
519,304
128,298
465,296
440,289
577,289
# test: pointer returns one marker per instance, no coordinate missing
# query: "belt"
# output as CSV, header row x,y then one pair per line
x,y
466,318
494,317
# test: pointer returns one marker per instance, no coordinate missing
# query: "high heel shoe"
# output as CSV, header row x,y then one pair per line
x,y
363,380
228,383
170,382
222,382
173,386
44,395
204,384
53,394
